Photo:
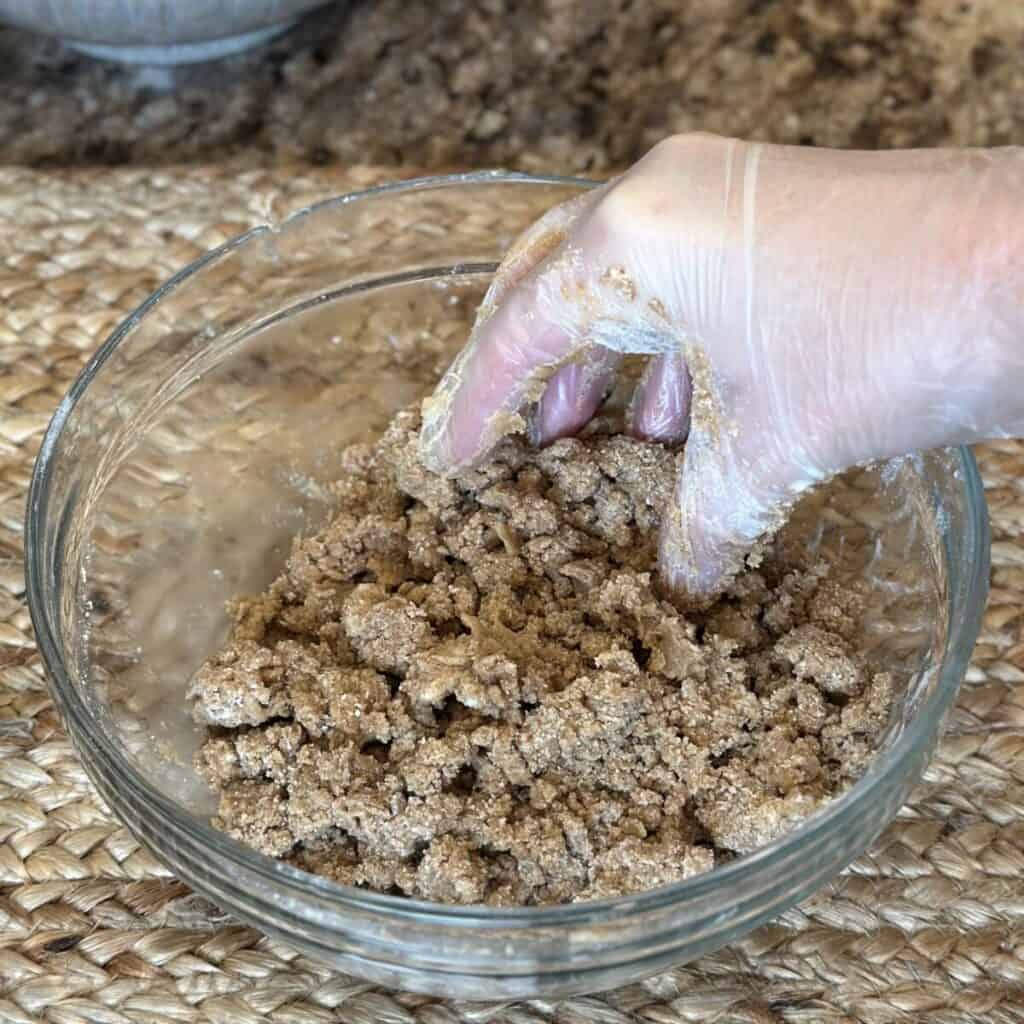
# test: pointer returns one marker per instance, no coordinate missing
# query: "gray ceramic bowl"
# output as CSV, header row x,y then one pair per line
x,y
157,31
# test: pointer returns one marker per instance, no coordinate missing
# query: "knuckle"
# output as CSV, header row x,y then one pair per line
x,y
677,149
648,197
629,206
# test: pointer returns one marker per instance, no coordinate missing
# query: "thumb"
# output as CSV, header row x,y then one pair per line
x,y
719,514
733,492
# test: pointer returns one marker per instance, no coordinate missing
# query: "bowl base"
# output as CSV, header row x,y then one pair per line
x,y
181,53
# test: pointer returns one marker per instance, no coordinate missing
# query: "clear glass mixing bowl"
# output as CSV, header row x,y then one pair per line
x,y
199,440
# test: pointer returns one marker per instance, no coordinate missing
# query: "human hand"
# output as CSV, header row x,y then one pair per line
x,y
805,311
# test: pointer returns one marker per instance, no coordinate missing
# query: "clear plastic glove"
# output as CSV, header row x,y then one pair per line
x,y
806,311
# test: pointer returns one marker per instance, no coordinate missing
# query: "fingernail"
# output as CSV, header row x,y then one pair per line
x,y
437,411
559,411
660,408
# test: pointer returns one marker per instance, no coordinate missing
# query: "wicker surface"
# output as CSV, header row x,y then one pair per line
x,y
928,927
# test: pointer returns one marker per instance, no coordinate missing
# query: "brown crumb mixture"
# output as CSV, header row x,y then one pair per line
x,y
472,690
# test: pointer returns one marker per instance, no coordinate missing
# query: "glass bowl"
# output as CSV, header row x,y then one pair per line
x,y
201,437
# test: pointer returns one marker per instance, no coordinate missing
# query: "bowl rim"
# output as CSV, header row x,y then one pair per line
x,y
83,726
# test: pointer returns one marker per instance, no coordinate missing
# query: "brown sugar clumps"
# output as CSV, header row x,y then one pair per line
x,y
386,631
812,653
243,685
475,691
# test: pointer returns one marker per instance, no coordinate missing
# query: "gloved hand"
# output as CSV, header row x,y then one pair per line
x,y
825,309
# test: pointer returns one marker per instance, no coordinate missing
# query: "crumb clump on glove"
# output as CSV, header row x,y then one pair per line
x,y
472,690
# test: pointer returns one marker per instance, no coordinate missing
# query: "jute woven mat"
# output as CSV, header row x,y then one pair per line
x,y
929,926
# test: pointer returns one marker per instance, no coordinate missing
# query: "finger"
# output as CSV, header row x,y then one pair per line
x,y
574,394
511,355
660,409
536,244
477,399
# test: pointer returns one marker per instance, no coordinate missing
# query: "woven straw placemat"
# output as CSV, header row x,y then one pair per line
x,y
928,926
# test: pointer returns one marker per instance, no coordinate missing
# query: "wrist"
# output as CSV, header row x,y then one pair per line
x,y
979,349
950,370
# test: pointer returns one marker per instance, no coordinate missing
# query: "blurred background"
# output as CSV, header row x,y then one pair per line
x,y
560,85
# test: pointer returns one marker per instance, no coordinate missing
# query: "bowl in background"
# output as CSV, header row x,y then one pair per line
x,y
203,435
157,31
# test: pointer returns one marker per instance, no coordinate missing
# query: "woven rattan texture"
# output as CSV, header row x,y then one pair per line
x,y
929,926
